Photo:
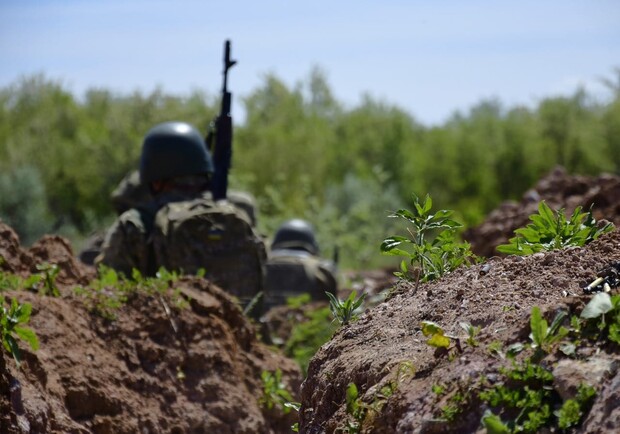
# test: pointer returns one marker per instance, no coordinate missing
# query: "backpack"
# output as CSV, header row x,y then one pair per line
x,y
215,236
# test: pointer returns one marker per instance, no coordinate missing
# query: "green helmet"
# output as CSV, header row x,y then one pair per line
x,y
173,149
296,234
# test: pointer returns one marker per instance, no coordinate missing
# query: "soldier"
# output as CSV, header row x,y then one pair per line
x,y
294,266
182,228
131,192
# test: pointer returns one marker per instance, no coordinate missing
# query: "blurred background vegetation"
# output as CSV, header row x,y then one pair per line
x,y
301,152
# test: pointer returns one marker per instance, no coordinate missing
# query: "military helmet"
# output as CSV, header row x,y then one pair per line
x,y
296,234
173,149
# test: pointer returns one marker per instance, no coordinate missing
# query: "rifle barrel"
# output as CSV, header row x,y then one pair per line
x,y
227,65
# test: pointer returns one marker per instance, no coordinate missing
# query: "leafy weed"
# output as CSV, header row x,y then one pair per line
x,y
275,394
551,230
345,311
12,326
543,336
427,260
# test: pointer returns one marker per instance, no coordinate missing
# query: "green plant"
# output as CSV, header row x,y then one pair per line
x,y
575,324
356,409
438,389
12,321
494,424
525,398
599,305
345,311
458,398
299,301
495,348
44,281
514,349
455,406
275,394
435,334
472,332
48,274
534,405
572,410
111,290
362,412
602,313
9,282
295,406
544,337
23,202
427,260
250,309
106,294
308,335
551,230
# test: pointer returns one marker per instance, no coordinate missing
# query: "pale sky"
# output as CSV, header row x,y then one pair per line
x,y
428,57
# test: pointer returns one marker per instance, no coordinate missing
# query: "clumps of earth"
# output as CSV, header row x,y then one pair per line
x,y
182,360
186,360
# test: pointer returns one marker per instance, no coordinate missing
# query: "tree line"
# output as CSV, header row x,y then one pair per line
x,y
300,151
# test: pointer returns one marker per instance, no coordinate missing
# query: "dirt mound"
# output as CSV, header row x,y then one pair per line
x,y
183,359
558,190
179,360
496,296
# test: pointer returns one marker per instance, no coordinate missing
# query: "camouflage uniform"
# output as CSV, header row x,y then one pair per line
x,y
147,238
159,233
294,266
126,244
130,193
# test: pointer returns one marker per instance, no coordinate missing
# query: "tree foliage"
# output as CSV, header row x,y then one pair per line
x,y
300,151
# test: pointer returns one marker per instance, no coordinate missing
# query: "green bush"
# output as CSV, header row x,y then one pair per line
x,y
23,203
301,152
12,325
431,247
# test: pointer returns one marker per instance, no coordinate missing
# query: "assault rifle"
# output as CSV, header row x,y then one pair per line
x,y
219,137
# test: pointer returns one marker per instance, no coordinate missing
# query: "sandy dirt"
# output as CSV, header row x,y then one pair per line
x,y
497,295
185,360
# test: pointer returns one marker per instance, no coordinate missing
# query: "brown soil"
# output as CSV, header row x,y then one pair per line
x,y
195,367
157,368
496,296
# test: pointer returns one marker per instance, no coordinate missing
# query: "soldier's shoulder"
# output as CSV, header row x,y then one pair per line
x,y
328,266
313,262
132,216
229,207
291,255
